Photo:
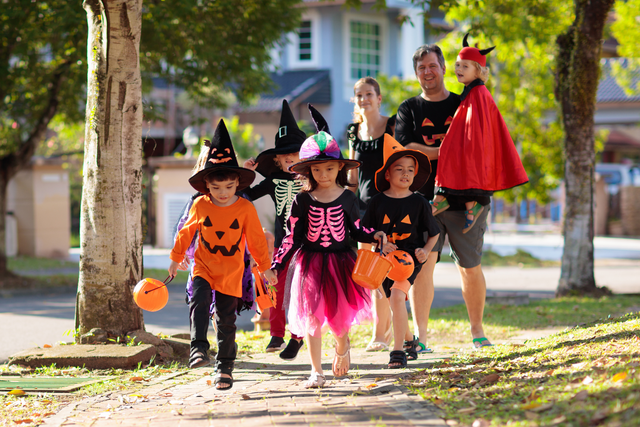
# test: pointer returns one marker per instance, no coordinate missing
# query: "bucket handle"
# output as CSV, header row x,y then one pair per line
x,y
165,283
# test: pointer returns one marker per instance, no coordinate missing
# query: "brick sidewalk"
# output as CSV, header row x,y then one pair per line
x,y
266,391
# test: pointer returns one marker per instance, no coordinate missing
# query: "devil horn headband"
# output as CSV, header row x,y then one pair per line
x,y
473,53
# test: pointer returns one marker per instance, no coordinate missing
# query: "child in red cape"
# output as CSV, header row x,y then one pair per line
x,y
477,157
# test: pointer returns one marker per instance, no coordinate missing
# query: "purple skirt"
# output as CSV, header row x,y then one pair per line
x,y
323,292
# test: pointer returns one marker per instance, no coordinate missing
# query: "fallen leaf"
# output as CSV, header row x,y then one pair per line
x,y
578,366
453,389
46,346
372,385
620,376
531,405
559,419
165,371
531,415
489,379
581,395
543,407
208,382
26,421
466,410
136,379
587,380
599,416
17,392
437,401
549,372
246,396
480,422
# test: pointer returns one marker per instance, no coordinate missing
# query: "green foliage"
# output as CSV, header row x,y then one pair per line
x,y
395,90
30,57
626,31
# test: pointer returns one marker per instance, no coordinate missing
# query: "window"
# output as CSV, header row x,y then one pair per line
x,y
366,49
304,42
303,50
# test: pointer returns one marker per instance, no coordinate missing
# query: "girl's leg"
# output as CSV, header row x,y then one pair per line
x,y
314,346
400,318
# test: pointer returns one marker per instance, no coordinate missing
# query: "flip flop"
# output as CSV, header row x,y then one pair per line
x,y
481,342
377,346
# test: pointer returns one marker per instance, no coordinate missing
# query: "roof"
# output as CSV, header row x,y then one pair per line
x,y
301,86
609,90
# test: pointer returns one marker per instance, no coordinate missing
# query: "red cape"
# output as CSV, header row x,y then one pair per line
x,y
478,152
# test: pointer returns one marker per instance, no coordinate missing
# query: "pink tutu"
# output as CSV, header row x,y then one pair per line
x,y
322,291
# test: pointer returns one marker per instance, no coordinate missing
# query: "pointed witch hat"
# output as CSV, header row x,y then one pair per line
x,y
289,139
321,147
222,156
473,53
392,151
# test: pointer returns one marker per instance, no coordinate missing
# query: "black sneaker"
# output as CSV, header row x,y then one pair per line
x,y
291,352
276,344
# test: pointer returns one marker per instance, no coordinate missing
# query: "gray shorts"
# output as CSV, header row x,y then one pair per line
x,y
466,249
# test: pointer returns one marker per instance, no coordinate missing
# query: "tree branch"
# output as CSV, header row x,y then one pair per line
x,y
12,163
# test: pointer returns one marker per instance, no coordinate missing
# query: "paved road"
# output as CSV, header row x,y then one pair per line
x,y
34,320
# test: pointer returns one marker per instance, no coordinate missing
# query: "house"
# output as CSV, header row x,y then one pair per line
x,y
333,48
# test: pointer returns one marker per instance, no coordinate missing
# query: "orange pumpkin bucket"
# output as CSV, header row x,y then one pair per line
x,y
151,294
402,265
265,296
371,269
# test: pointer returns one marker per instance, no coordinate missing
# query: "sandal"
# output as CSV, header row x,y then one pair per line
x,y
440,206
421,348
338,360
476,210
198,359
397,359
315,380
377,346
481,342
411,348
219,379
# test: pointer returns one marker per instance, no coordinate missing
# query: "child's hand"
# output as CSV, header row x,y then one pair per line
x,y
271,277
250,164
421,255
184,265
387,248
173,268
381,237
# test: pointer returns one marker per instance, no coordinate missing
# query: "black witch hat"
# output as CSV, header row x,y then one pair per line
x,y
289,139
321,147
222,156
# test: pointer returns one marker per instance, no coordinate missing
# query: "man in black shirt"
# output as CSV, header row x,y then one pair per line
x,y
422,123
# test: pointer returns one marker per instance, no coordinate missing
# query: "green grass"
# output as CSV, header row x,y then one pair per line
x,y
519,259
24,263
587,375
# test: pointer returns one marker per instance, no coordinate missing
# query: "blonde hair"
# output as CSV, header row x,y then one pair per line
x,y
202,158
368,80
483,72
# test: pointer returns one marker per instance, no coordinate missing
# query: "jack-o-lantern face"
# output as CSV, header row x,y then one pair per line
x,y
397,231
227,241
402,265
222,156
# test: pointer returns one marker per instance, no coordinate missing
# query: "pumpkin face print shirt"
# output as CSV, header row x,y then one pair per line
x,y
223,233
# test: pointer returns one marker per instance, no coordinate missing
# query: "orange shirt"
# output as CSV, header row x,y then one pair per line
x,y
222,233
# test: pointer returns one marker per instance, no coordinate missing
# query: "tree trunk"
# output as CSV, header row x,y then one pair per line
x,y
111,213
577,77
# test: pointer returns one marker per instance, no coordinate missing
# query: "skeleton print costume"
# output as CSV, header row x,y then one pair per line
x,y
322,260
282,187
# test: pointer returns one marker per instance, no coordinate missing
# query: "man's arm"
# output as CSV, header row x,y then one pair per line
x,y
431,152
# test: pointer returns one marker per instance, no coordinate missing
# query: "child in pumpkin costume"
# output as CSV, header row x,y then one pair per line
x,y
405,217
477,156
282,186
319,284
224,223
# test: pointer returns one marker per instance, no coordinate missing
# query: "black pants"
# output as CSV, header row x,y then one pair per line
x,y
225,317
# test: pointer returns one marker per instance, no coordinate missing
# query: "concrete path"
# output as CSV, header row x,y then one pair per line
x,y
267,391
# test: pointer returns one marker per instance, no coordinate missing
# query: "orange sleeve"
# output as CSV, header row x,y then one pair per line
x,y
256,240
185,235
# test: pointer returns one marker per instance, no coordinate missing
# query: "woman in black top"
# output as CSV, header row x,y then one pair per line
x,y
366,142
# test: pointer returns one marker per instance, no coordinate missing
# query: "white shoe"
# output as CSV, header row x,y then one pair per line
x,y
315,380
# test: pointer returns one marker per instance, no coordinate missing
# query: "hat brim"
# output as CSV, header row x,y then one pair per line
x,y
302,168
421,177
265,160
246,178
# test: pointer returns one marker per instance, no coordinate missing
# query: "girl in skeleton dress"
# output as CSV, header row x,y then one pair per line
x,y
319,284
282,186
